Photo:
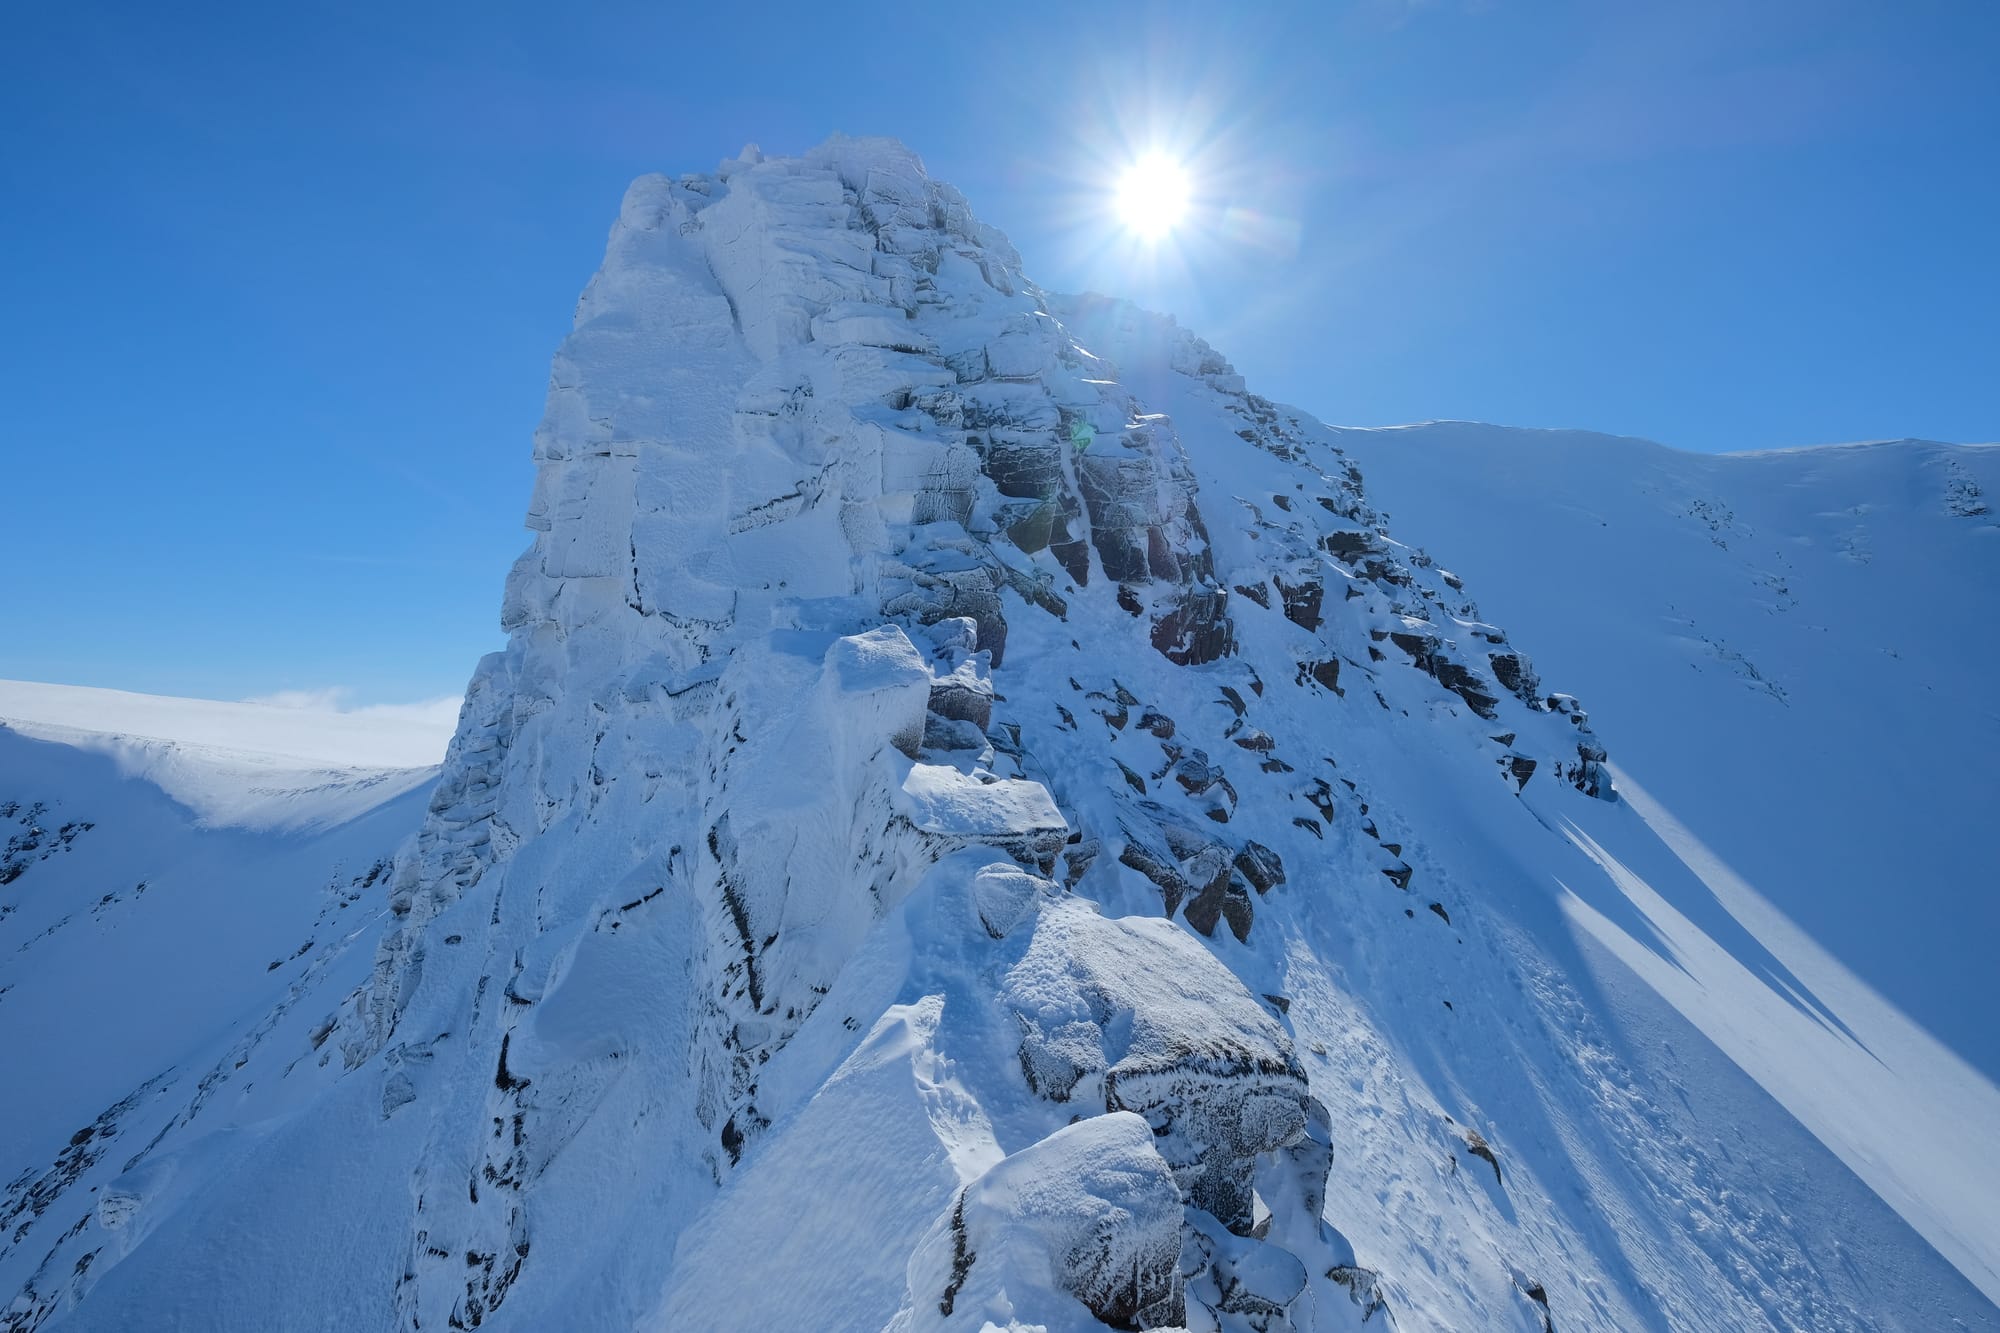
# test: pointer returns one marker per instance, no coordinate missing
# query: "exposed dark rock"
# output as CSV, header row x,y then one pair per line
x,y
1260,866
1349,546
1302,601
963,698
1476,1144
962,1257
1160,556
1043,525
932,595
1122,553
1363,1288
1517,678
1078,860
1074,557
1535,1292
1195,774
1588,774
1162,871
1198,630
1325,674
1321,796
1222,899
949,734
1426,652
1467,686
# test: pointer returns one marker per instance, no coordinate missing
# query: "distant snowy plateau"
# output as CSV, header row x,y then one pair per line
x,y
983,822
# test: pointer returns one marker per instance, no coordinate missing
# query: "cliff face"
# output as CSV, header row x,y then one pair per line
x,y
977,823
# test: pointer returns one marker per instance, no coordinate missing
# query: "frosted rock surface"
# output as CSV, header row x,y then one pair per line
x,y
1135,1015
1090,1211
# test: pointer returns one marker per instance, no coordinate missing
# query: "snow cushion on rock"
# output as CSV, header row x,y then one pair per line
x,y
877,684
1135,1015
964,810
1091,1210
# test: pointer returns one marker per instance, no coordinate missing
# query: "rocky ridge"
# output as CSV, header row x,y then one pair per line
x,y
922,740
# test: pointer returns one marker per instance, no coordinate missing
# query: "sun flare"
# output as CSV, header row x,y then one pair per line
x,y
1153,195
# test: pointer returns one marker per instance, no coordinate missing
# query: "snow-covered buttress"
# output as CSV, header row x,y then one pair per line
x,y
977,824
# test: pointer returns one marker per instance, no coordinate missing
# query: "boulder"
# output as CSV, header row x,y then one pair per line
x,y
1090,1211
1138,1014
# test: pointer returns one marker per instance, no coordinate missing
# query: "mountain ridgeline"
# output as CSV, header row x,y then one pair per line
x,y
979,823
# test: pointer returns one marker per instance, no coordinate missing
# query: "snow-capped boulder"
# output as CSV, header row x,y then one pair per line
x,y
955,809
1091,1211
1134,1015
1003,894
875,685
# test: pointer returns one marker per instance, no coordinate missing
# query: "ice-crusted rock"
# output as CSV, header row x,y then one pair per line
x,y
1004,894
1090,1211
1134,1015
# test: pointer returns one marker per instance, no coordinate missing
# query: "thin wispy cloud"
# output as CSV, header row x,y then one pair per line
x,y
439,712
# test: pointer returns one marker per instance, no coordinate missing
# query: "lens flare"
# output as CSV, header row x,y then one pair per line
x,y
1153,195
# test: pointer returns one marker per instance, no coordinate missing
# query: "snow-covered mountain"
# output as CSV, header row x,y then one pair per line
x,y
176,876
979,824
1794,651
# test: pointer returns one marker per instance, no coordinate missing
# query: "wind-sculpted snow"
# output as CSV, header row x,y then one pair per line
x,y
979,824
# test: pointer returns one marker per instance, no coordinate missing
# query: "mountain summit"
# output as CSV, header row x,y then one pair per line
x,y
979,824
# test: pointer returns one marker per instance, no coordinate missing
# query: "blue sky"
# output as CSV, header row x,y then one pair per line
x,y
282,282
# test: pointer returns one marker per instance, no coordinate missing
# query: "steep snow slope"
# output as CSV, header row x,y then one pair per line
x,y
1794,653
169,888
978,824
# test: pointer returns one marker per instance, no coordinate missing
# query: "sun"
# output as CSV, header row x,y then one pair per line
x,y
1153,195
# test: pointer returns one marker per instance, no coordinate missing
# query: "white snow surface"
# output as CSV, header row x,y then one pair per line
x,y
173,908
1795,652
241,765
979,824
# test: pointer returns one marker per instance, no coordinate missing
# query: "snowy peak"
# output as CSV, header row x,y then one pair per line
x,y
962,734
806,396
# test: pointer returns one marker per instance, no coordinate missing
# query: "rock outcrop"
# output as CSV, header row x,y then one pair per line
x,y
865,579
